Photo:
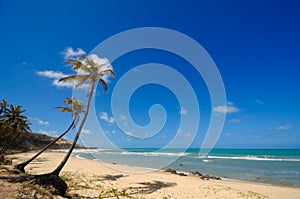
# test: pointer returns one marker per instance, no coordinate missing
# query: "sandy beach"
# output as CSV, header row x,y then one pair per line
x,y
93,179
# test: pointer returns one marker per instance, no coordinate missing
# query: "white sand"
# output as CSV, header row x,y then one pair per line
x,y
91,178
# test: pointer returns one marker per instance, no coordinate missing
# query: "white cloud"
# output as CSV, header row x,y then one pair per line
x,y
123,117
260,102
226,109
58,75
51,74
230,103
104,116
86,131
40,122
234,120
284,127
128,133
43,122
179,131
188,134
182,111
50,133
229,108
228,134
70,52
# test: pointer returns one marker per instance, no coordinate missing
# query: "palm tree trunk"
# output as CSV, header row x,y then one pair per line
x,y
22,165
64,161
8,142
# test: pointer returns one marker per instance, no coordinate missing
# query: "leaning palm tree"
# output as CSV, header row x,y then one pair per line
x,y
90,70
75,107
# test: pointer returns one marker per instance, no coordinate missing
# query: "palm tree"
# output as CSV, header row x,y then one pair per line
x,y
75,107
90,69
3,125
16,124
3,106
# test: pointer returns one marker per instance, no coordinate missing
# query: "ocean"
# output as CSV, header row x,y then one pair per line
x,y
272,166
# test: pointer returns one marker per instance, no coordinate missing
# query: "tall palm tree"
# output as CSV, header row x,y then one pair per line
x,y
91,69
16,124
75,107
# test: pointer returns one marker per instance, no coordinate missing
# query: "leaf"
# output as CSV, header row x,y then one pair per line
x,y
103,84
64,108
81,57
109,71
82,79
77,64
69,101
70,78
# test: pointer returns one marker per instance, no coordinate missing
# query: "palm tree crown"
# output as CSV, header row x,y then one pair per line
x,y
90,69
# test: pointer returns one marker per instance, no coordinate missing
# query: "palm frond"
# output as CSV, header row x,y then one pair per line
x,y
70,78
81,57
64,108
77,64
82,79
111,72
101,81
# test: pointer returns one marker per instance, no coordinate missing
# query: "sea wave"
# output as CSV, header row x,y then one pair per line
x,y
154,153
107,152
251,158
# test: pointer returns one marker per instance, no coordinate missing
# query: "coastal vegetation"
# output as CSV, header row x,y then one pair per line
x,y
14,126
90,70
75,107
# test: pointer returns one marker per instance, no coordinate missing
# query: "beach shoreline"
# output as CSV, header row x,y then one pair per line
x,y
89,178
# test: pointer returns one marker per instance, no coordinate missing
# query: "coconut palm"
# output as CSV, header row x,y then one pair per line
x,y
15,124
75,107
90,70
3,125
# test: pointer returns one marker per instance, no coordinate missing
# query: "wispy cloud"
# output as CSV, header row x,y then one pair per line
x,y
260,102
228,134
128,133
284,127
123,117
182,111
40,122
51,74
234,120
104,116
70,52
86,131
229,108
56,75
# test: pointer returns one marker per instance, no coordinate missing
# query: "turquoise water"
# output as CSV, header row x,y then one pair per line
x,y
277,167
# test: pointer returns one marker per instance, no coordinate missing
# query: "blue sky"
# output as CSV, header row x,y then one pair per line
x,y
255,45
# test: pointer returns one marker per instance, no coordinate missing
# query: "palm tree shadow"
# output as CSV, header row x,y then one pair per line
x,y
15,178
112,177
150,187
